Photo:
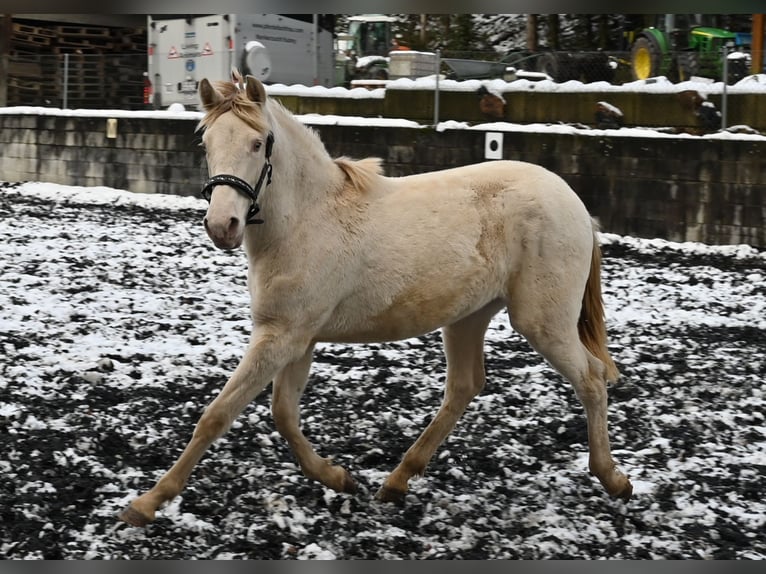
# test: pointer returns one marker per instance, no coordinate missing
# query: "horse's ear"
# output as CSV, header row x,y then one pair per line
x,y
208,94
255,90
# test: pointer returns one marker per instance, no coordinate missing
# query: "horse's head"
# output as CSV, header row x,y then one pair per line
x,y
237,142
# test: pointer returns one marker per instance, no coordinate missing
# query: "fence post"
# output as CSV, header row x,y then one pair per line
x,y
436,90
66,79
724,98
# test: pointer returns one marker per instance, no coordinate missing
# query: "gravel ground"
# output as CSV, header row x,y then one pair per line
x,y
120,322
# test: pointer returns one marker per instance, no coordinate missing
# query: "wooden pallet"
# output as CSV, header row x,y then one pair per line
x,y
30,40
24,29
80,48
18,69
103,65
83,31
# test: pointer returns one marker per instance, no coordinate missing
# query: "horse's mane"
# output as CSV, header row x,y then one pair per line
x,y
360,173
235,99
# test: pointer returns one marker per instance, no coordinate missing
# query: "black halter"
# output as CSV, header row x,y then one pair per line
x,y
242,186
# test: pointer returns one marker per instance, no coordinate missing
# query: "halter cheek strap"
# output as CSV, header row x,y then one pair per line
x,y
242,186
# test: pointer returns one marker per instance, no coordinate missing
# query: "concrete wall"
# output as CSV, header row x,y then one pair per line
x,y
682,189
147,156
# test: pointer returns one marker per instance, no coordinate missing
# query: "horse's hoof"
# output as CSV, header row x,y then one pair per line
x,y
349,484
386,494
134,517
626,492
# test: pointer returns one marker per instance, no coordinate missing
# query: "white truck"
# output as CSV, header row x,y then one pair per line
x,y
276,48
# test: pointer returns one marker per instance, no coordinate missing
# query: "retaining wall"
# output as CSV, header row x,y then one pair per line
x,y
643,109
681,189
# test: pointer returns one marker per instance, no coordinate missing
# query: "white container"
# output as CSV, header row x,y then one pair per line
x,y
410,64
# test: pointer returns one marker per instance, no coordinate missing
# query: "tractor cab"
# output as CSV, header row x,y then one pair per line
x,y
371,34
362,51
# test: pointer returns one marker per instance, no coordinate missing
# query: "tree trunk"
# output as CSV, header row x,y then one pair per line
x,y
603,31
6,28
553,31
446,20
532,32
586,42
758,26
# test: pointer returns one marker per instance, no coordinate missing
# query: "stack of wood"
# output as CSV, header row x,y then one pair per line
x,y
104,65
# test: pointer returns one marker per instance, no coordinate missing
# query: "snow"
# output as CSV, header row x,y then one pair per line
x,y
750,84
121,322
614,109
327,119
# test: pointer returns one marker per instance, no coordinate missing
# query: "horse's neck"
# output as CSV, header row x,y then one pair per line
x,y
300,146
304,175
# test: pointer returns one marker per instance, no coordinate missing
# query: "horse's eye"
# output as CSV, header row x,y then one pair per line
x,y
257,145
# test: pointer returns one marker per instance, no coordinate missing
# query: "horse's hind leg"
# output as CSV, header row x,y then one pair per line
x,y
289,385
464,348
551,329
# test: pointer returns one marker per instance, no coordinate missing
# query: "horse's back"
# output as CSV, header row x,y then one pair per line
x,y
525,199
441,245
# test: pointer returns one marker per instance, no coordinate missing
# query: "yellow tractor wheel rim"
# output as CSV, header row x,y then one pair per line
x,y
642,63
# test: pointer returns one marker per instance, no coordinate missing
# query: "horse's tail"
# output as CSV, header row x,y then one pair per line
x,y
591,325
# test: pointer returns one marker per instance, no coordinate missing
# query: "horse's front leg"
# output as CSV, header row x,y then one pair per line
x,y
289,385
265,356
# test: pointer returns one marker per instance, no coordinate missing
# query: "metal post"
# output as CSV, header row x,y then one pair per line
x,y
724,99
436,91
66,79
316,48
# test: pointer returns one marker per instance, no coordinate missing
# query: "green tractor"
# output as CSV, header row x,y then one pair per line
x,y
682,46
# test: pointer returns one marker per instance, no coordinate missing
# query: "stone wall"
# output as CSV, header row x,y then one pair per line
x,y
147,156
681,189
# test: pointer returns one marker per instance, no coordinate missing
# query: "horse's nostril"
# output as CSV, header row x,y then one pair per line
x,y
233,224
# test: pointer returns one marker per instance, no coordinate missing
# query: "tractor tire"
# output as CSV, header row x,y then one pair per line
x,y
558,65
688,64
738,69
596,67
645,58
377,73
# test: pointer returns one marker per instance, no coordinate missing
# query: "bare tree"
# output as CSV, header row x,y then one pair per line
x,y
6,28
532,32
554,29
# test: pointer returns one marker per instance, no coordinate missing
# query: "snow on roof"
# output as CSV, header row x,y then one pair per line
x,y
372,18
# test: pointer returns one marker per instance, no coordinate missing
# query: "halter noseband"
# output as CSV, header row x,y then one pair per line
x,y
242,186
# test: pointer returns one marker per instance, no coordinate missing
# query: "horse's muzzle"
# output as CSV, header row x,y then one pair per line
x,y
226,234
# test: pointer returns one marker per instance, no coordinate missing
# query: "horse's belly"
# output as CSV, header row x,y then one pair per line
x,y
412,312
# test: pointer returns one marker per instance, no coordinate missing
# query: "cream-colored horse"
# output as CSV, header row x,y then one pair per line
x,y
342,253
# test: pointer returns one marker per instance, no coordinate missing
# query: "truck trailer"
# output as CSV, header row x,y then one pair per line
x,y
275,48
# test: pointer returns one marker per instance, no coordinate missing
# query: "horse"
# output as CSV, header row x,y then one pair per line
x,y
339,252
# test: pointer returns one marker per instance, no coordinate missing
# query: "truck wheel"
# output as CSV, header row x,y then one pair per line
x,y
645,58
